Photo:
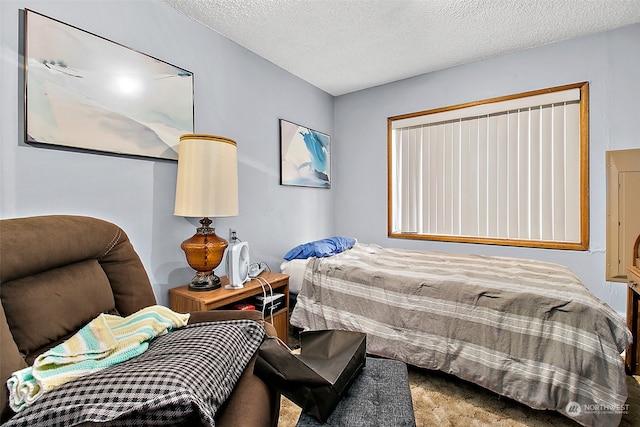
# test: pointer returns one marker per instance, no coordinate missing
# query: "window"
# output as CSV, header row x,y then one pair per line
x,y
511,170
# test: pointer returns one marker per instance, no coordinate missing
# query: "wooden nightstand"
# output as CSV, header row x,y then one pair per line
x,y
183,300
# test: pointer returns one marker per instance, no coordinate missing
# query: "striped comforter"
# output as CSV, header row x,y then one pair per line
x,y
527,330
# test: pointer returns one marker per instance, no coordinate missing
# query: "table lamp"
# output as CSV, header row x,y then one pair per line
x,y
207,186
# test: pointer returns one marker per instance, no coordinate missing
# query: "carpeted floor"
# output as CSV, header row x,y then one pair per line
x,y
443,400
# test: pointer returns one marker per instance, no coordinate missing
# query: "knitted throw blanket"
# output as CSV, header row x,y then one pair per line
x,y
106,341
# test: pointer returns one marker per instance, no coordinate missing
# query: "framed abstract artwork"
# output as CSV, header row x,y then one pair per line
x,y
305,156
85,92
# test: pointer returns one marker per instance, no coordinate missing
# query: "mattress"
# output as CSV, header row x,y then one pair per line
x,y
525,329
295,269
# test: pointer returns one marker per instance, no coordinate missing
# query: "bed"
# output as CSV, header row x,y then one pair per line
x,y
524,329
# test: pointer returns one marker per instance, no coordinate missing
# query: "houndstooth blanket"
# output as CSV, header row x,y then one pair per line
x,y
105,341
183,377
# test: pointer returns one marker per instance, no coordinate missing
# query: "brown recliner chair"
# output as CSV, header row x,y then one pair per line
x,y
58,272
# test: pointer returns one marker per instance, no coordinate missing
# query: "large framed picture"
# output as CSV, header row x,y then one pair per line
x,y
305,156
85,92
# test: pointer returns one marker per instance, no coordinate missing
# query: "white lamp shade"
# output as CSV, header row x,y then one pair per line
x,y
207,183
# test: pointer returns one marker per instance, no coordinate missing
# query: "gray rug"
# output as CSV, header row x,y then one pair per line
x,y
379,396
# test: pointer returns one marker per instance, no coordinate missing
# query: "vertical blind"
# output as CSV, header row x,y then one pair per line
x,y
503,170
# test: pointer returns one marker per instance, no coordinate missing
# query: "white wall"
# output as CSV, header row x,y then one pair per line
x,y
237,94
609,61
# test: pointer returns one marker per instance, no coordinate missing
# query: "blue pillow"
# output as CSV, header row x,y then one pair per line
x,y
321,248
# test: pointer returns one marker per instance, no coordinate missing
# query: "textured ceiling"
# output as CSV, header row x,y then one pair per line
x,y
343,46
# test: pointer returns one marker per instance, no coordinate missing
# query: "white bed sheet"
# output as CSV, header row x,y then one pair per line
x,y
295,269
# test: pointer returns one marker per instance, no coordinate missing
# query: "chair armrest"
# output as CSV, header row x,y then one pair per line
x,y
221,315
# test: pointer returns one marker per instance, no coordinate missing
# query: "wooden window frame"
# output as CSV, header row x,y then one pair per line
x,y
582,240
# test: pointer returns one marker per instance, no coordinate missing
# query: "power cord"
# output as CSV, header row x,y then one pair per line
x,y
264,282
256,268
265,265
